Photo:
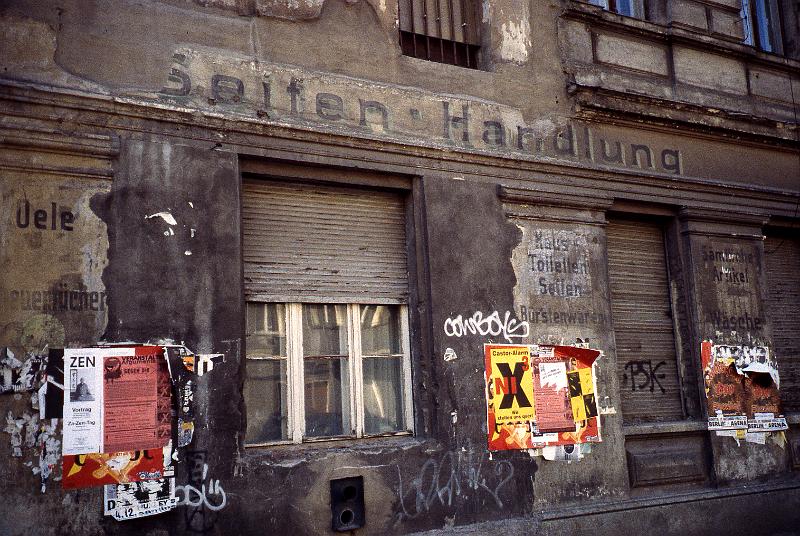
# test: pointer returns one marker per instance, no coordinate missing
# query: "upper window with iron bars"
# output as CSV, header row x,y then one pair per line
x,y
445,31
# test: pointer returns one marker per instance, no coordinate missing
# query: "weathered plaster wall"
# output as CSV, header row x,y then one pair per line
x,y
187,87
133,51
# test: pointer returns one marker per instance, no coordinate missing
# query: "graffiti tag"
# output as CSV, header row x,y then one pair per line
x,y
455,474
491,325
647,373
203,496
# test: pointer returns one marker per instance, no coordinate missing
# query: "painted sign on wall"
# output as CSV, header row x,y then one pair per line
x,y
219,81
53,255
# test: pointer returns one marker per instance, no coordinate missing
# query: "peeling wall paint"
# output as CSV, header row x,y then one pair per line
x,y
515,41
290,9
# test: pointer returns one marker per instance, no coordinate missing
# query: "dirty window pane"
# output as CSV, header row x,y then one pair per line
x,y
380,329
631,8
383,403
327,399
768,21
265,397
324,330
266,329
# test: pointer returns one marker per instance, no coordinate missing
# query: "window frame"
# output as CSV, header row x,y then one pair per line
x,y
754,36
614,7
295,376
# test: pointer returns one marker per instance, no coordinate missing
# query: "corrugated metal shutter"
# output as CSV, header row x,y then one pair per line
x,y
783,307
323,244
643,328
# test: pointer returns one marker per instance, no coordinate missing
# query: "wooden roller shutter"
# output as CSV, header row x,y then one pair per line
x,y
440,30
451,20
783,308
642,318
323,244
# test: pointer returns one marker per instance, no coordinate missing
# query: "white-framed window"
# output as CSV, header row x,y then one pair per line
x,y
322,371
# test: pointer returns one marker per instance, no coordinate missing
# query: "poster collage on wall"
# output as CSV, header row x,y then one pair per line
x,y
541,397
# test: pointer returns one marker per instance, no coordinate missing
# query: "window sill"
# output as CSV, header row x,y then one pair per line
x,y
322,442
296,453
672,427
676,427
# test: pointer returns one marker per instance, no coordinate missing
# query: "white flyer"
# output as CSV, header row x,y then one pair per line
x,y
83,398
139,499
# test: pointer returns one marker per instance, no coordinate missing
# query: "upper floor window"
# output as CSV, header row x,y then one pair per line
x,y
445,31
629,8
762,25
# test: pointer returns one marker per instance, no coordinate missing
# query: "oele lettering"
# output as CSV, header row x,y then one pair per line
x,y
44,219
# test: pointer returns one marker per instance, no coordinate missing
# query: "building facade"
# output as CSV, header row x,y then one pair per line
x,y
344,201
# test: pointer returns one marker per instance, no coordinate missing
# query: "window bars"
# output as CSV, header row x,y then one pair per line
x,y
444,31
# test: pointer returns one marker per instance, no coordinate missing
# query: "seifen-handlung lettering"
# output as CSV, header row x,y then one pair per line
x,y
292,99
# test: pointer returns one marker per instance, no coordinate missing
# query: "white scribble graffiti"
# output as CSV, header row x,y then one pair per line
x,y
492,325
212,497
205,362
455,474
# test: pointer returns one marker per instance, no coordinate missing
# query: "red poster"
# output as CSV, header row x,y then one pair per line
x,y
135,402
551,395
86,470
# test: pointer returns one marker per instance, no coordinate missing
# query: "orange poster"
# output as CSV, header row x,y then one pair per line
x,y
86,470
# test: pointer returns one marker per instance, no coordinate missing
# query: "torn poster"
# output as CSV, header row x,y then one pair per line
x,y
563,453
114,402
139,499
206,362
748,359
540,396
759,438
181,369
741,385
87,470
49,450
54,385
19,376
